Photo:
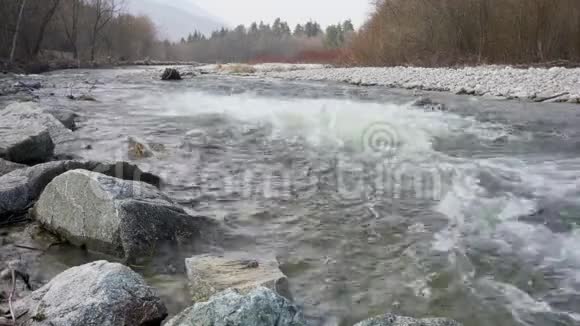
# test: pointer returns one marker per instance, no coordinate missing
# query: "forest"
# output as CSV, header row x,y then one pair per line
x,y
262,42
398,32
97,32
452,32
80,31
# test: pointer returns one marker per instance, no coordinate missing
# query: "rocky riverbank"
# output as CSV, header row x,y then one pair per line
x,y
116,211
535,84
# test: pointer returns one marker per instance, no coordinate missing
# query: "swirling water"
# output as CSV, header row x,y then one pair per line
x,y
370,204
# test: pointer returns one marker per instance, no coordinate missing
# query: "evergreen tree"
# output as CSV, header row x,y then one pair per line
x,y
347,26
299,31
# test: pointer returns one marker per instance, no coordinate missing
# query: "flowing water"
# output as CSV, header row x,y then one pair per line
x,y
371,205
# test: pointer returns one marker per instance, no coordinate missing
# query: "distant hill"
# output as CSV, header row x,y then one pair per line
x,y
176,18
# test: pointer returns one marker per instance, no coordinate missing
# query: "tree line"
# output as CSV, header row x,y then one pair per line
x,y
80,30
259,41
447,32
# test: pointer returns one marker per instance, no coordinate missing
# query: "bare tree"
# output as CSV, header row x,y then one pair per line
x,y
15,38
72,30
43,24
105,11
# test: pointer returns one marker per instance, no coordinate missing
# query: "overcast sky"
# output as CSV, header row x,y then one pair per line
x,y
235,12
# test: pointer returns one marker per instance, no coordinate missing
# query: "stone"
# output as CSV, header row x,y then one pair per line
x,y
66,117
30,85
210,274
23,140
7,167
394,320
86,97
128,219
260,307
138,150
32,115
171,74
19,189
98,293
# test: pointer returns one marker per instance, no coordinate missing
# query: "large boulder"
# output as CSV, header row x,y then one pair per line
x,y
31,115
7,167
210,274
171,74
21,188
99,293
260,307
394,320
129,219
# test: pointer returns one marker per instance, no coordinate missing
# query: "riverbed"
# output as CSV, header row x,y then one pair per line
x,y
371,203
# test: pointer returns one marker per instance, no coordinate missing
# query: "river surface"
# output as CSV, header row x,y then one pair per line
x,y
370,204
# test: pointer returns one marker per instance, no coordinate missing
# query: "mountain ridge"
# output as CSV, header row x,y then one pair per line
x,y
176,19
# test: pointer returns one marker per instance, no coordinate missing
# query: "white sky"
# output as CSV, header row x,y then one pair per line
x,y
326,12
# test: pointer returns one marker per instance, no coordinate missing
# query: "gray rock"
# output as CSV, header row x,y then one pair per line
x,y
260,307
29,85
24,141
19,189
210,274
7,167
394,320
171,74
129,219
99,293
32,116
66,117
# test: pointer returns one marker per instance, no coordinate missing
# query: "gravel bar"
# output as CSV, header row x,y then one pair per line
x,y
535,84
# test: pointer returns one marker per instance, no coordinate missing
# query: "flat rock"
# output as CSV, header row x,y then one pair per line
x,y
24,141
260,307
31,115
210,274
99,293
394,320
19,189
129,219
7,167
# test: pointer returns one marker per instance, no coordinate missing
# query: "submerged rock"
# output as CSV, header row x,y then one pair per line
x,y
86,97
138,150
429,104
66,117
30,85
394,320
260,307
209,274
99,293
171,74
129,219
7,167
19,189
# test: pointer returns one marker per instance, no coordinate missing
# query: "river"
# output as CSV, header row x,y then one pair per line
x,y
370,204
